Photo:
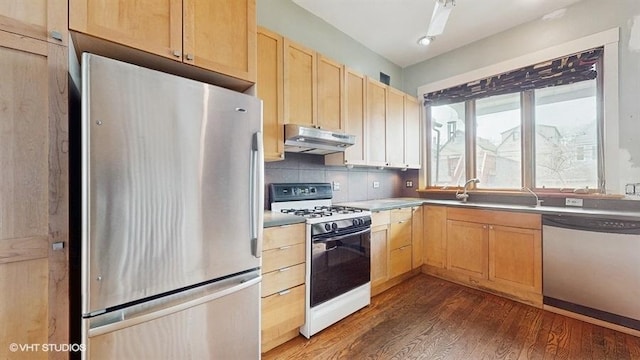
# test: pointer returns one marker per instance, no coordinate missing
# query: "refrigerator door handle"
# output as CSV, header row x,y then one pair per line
x,y
123,320
257,194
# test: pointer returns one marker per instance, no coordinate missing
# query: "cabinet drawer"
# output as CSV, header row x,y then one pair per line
x,y
504,218
400,234
400,261
403,214
380,218
279,236
282,312
282,279
282,257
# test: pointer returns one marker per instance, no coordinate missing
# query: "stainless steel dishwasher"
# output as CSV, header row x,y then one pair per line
x,y
591,266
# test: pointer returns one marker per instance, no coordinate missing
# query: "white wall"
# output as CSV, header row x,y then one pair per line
x,y
582,19
288,19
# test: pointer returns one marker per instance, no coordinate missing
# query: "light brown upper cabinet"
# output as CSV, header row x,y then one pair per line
x,y
412,149
376,118
42,20
217,35
330,85
313,86
270,89
299,84
354,120
395,128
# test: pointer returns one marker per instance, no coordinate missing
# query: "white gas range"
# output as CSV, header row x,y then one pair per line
x,y
338,254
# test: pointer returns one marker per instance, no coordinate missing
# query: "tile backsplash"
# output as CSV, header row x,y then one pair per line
x,y
356,184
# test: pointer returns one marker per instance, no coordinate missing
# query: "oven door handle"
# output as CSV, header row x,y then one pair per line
x,y
339,237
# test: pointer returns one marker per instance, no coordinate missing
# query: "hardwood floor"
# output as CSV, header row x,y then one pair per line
x,y
429,318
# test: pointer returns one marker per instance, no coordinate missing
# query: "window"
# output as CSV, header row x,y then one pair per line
x,y
498,148
566,125
447,144
536,127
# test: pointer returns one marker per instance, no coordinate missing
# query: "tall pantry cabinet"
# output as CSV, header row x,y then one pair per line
x,y
34,202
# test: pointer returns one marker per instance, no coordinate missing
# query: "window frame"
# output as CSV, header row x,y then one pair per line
x,y
527,143
608,108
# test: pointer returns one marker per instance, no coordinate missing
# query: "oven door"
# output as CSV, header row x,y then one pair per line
x,y
339,263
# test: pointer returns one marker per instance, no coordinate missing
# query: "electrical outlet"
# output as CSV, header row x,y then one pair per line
x,y
336,186
409,183
573,202
376,184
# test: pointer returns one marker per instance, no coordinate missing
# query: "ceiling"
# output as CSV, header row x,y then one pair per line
x,y
391,28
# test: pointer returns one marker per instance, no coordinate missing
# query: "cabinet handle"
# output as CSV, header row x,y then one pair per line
x,y
491,227
189,57
56,35
484,226
402,221
176,53
284,269
285,292
284,247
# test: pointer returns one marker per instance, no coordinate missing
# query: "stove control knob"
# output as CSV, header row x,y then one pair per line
x,y
334,226
360,221
327,227
355,222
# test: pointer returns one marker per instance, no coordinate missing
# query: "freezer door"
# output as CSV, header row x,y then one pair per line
x,y
172,183
222,323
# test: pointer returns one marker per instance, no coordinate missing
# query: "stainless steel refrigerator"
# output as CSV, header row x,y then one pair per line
x,y
172,175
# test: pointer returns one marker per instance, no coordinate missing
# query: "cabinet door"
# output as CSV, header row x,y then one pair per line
x,y
269,89
379,255
149,25
467,247
220,35
395,128
417,237
515,257
33,188
42,20
329,90
354,103
435,236
399,261
281,313
376,123
299,84
412,149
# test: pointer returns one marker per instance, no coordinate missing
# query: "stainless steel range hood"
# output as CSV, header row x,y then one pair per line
x,y
311,140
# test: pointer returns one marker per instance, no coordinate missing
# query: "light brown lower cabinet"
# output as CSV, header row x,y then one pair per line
x,y
379,249
435,236
467,248
283,284
393,244
282,316
400,248
495,251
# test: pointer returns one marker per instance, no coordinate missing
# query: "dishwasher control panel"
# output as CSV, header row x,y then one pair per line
x,y
594,224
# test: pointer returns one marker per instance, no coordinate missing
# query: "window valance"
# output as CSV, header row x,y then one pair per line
x,y
566,70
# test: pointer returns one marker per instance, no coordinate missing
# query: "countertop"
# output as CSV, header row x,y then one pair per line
x,y
393,203
385,204
272,219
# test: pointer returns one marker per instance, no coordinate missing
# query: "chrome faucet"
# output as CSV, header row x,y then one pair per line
x,y
464,196
538,201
